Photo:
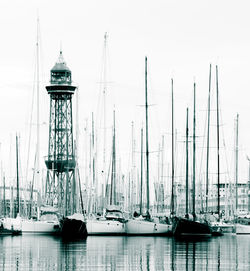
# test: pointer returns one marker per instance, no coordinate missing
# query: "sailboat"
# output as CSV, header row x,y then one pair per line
x,y
243,224
48,223
47,220
186,226
242,221
12,225
112,222
219,227
145,225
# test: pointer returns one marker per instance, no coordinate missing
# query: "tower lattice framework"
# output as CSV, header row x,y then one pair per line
x,y
60,190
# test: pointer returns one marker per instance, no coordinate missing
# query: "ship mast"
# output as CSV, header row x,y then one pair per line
x,y
4,196
187,190
172,191
147,151
141,170
208,133
38,109
113,175
94,183
17,179
218,145
104,109
132,198
194,149
236,162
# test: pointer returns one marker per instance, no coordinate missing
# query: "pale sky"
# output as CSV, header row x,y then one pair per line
x,y
180,39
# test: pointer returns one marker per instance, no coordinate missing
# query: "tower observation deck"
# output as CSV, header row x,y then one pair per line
x,y
60,188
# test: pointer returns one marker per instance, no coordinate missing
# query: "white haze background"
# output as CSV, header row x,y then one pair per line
x,y
180,39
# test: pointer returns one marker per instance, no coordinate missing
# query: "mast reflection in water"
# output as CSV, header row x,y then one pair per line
x,y
124,253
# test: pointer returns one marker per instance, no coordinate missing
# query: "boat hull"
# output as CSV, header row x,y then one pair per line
x,y
223,228
11,226
40,227
73,227
105,227
228,229
4,231
242,229
186,227
143,227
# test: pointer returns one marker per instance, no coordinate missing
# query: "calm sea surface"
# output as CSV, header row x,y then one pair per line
x,y
30,252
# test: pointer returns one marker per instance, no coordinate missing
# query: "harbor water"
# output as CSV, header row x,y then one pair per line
x,y
30,252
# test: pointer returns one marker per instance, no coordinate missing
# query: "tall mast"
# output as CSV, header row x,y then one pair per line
x,y
187,190
76,145
162,173
248,183
113,175
93,146
4,197
132,200
194,149
77,123
104,107
236,161
31,192
141,170
147,151
80,190
172,191
218,143
157,184
12,201
93,158
208,134
38,109
17,178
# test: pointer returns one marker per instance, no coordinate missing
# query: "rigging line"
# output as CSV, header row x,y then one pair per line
x,y
156,115
105,67
107,179
31,119
203,147
102,86
182,168
224,144
152,92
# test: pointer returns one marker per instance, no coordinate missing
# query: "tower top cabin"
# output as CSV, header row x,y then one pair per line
x,y
60,78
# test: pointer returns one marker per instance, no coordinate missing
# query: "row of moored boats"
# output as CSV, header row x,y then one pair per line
x,y
115,223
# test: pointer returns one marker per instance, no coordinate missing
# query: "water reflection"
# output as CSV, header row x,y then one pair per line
x,y
223,253
29,252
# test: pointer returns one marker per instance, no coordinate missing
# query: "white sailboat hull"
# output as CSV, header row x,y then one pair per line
x,y
242,229
31,226
40,227
226,228
105,227
143,227
12,224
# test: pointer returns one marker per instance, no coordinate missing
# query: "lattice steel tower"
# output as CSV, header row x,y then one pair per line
x,y
60,188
